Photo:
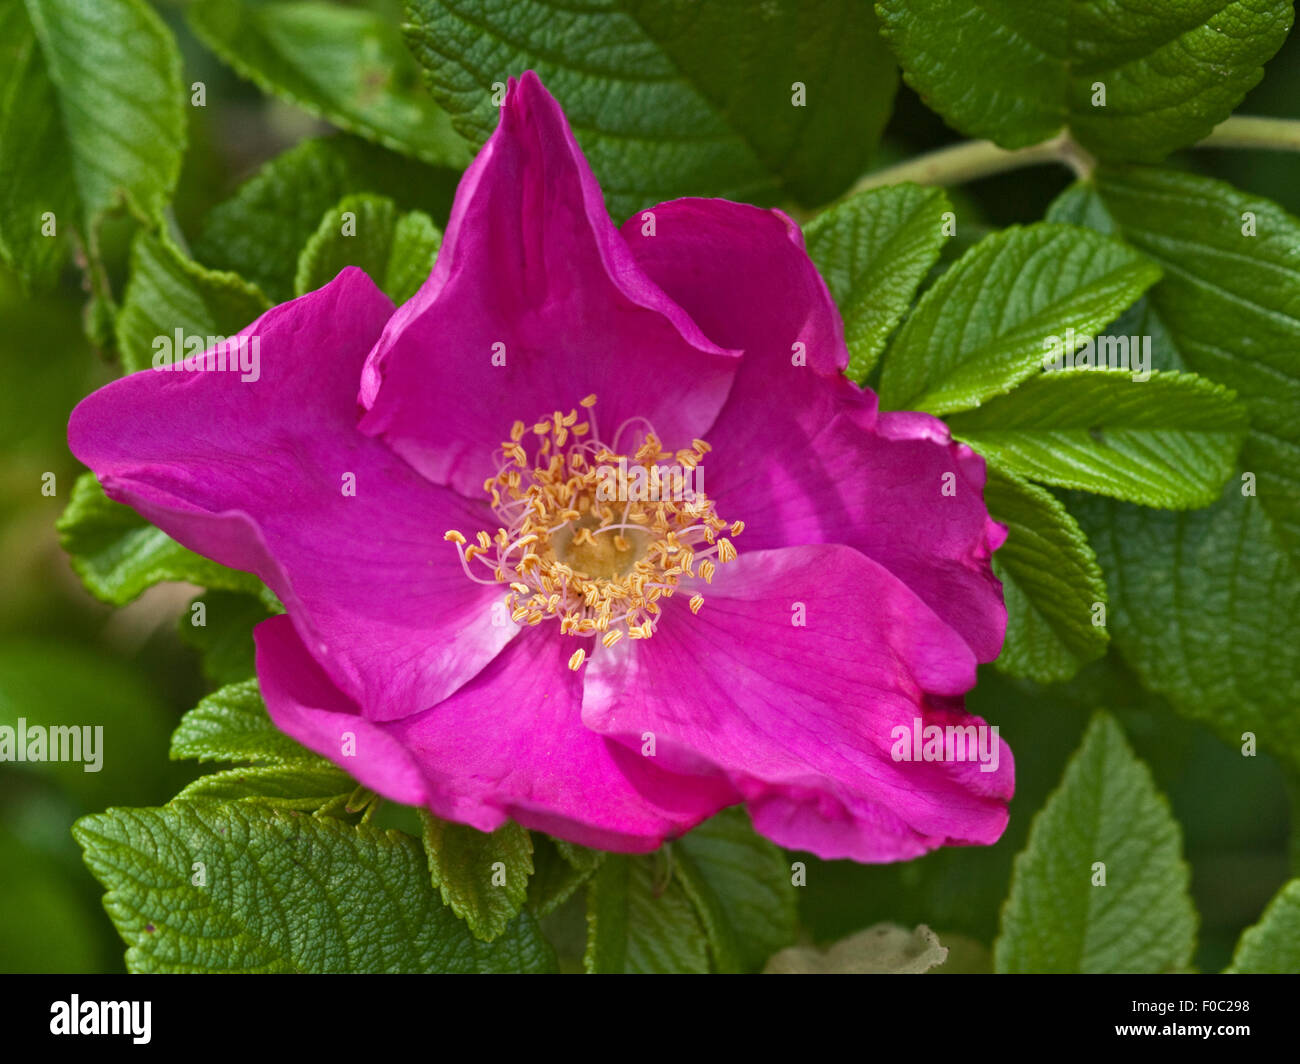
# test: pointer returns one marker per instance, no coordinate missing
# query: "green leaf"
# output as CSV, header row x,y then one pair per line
x,y
874,249
1019,73
301,786
397,252
169,292
670,99
91,117
979,331
1195,598
554,880
885,949
740,886
259,232
346,65
1051,582
483,876
283,892
580,857
639,920
1170,441
118,554
232,725
1272,946
1106,810
1231,303
225,639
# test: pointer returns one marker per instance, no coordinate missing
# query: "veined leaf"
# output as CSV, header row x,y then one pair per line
x,y
1128,82
302,786
740,886
118,554
1205,605
346,65
1168,441
397,252
1051,582
168,292
670,99
980,330
1196,596
232,725
483,876
874,249
259,232
1231,302
91,116
206,886
1272,946
639,920
1101,885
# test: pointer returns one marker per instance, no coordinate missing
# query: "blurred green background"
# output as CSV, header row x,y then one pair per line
x,y
65,658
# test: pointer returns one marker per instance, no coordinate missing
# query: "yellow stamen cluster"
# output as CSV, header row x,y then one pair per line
x,y
571,549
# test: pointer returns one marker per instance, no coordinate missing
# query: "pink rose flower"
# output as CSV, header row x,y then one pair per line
x,y
495,623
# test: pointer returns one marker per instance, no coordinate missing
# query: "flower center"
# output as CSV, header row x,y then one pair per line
x,y
593,537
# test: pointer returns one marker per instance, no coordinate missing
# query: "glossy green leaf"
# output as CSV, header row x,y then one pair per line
x,y
168,292
281,892
1167,441
366,231
347,65
483,876
640,920
259,232
1272,946
1127,81
1205,605
980,330
670,99
304,786
874,249
1231,302
91,117
118,554
741,888
232,725
1051,582
1060,917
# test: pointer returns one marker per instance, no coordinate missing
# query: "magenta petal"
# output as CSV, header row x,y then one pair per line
x,y
799,454
306,705
253,474
532,272
511,743
800,718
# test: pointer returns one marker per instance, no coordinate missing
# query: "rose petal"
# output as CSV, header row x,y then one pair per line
x,y
252,474
533,271
799,454
800,718
511,743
